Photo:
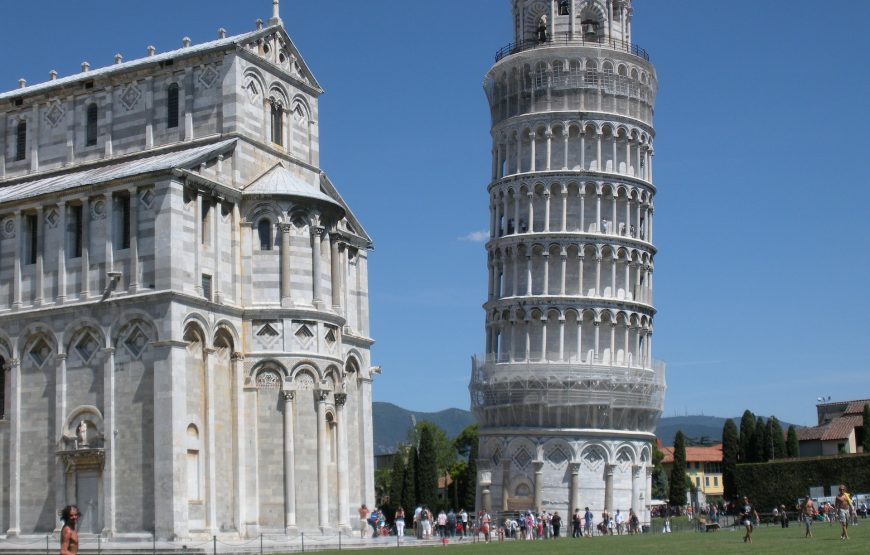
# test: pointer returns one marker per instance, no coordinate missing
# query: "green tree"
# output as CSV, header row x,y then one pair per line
x,y
779,451
678,480
866,425
382,486
445,451
730,451
792,446
469,494
397,479
767,451
659,476
747,431
409,493
758,441
427,468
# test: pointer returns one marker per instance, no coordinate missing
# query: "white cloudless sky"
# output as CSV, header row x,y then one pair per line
x,y
762,147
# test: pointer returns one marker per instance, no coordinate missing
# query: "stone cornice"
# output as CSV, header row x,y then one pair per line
x,y
562,176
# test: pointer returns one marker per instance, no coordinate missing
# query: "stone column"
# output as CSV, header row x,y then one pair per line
x,y
322,482
635,489
561,338
514,260
238,231
574,494
316,256
582,209
211,443
566,134
531,197
133,285
290,464
549,135
110,442
61,254
598,212
84,287
563,279
532,139
608,487
364,417
286,291
597,274
648,496
580,259
335,270
108,126
197,244
539,484
528,274
108,216
217,247
16,256
582,149
15,447
240,430
547,211
342,462
597,338
40,255
545,256
149,112
60,389
170,460
485,485
598,164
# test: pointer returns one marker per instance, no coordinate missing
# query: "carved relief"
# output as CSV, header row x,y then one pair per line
x,y
268,379
9,228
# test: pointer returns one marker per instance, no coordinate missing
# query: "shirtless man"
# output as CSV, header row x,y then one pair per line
x,y
808,515
843,504
363,520
69,537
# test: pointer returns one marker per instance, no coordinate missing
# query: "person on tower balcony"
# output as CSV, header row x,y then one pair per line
x,y
542,28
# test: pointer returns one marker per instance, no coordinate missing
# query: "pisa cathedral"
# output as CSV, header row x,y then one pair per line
x,y
184,330
568,394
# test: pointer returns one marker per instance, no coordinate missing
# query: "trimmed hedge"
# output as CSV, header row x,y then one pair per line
x,y
778,483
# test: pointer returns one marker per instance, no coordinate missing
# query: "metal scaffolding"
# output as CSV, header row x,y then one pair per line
x,y
563,395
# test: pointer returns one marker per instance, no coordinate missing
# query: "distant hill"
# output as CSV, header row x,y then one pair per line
x,y
392,423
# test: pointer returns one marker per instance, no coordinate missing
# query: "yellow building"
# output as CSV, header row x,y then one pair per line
x,y
703,466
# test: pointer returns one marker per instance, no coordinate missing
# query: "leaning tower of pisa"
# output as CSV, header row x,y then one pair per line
x,y
568,394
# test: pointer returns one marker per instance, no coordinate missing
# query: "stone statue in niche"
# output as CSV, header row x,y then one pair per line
x,y
82,434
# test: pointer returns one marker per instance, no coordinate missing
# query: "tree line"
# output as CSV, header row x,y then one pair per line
x,y
427,455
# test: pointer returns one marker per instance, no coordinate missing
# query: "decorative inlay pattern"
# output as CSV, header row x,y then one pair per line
x,y
208,76
98,210
147,197
40,352
522,458
9,228
268,379
51,218
86,347
305,381
130,96
54,114
136,341
557,456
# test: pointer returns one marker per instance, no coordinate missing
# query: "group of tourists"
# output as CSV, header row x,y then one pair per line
x,y
844,510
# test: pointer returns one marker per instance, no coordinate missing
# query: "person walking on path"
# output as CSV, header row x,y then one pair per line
x,y
69,537
748,516
587,519
843,504
576,524
400,521
808,515
363,520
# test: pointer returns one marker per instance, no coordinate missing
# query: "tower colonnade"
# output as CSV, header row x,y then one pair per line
x,y
568,393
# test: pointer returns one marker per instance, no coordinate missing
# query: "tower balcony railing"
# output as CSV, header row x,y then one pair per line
x,y
591,360
567,39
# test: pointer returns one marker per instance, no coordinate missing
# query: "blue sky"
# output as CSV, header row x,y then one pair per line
x,y
761,216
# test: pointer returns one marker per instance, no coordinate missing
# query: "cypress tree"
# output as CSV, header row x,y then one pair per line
x,y
397,479
747,431
677,495
758,441
866,428
427,471
730,450
768,440
792,446
779,451
409,493
469,496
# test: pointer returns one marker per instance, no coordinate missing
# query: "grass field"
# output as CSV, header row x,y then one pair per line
x,y
765,540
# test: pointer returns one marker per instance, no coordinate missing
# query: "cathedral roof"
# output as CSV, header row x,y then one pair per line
x,y
215,45
281,181
187,158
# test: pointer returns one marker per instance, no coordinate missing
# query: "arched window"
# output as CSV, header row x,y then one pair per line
x,y
91,126
21,140
172,106
264,232
277,123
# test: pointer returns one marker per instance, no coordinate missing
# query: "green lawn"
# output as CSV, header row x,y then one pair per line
x,y
765,540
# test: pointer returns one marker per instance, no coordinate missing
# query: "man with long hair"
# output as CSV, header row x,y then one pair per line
x,y
69,537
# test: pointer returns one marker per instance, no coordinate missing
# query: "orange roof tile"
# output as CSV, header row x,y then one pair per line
x,y
695,454
838,428
856,407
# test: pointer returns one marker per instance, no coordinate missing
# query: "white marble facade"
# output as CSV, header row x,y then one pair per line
x,y
184,330
568,394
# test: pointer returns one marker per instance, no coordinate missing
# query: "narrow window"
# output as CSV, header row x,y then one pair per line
x,y
122,203
31,238
206,286
91,127
21,140
277,123
172,106
75,250
264,230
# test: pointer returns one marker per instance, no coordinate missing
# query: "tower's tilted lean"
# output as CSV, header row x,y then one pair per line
x,y
568,394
